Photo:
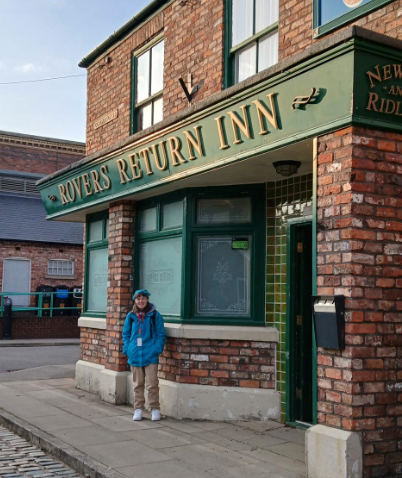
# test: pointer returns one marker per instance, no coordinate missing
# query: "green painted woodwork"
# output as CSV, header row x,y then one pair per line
x,y
286,200
338,102
352,15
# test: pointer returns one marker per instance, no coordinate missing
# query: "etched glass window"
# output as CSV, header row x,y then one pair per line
x,y
224,211
95,231
96,287
160,273
331,9
223,277
254,42
148,220
172,215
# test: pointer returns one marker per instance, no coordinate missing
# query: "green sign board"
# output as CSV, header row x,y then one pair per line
x,y
325,93
240,244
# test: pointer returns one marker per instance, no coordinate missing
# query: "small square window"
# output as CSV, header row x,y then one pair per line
x,y
148,220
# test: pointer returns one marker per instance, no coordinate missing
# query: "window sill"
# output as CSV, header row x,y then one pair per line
x,y
92,323
222,332
61,277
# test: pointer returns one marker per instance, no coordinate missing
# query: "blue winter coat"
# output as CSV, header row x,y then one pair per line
x,y
153,340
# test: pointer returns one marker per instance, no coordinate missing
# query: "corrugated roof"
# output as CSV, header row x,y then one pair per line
x,y
24,219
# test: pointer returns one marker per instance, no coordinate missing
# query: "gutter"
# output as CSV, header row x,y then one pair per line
x,y
122,32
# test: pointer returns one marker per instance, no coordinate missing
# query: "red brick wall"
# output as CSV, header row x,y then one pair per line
x,y
193,33
296,24
359,254
40,254
36,156
225,363
26,326
93,345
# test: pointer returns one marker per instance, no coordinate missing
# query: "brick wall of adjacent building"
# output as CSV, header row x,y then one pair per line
x,y
29,326
226,363
93,345
39,254
193,33
296,24
35,155
359,254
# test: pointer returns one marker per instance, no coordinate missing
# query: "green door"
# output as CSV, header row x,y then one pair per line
x,y
300,324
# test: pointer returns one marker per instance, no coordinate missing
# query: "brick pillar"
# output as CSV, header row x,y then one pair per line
x,y
359,254
119,292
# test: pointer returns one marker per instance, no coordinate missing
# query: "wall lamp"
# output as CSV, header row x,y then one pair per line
x,y
286,168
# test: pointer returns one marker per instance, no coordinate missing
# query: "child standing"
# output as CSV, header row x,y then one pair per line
x,y
144,338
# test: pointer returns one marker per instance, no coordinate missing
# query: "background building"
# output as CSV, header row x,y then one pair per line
x,y
191,105
34,251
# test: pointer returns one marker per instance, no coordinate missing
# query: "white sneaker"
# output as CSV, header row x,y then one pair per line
x,y
137,415
155,415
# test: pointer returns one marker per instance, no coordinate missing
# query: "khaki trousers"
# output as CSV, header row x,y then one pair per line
x,y
146,375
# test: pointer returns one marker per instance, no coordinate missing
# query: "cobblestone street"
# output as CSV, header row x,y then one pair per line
x,y
19,459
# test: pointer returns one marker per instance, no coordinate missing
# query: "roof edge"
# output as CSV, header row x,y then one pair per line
x,y
121,32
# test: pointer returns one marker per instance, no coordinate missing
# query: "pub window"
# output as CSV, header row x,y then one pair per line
x,y
253,37
60,267
198,255
331,14
148,86
96,264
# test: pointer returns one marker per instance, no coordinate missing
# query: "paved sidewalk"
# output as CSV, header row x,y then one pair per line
x,y
102,441
38,342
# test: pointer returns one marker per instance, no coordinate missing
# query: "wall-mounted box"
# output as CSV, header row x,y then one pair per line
x,y
329,321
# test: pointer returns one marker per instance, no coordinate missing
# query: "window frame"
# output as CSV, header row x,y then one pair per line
x,y
230,52
103,243
362,10
191,230
60,275
134,127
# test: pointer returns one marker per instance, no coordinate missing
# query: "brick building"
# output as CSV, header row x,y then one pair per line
x,y
34,251
244,156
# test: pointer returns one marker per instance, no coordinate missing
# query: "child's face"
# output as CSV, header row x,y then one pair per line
x,y
141,301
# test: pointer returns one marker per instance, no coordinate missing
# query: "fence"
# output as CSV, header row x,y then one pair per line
x,y
44,305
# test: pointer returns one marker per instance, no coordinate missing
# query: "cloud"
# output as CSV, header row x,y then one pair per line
x,y
27,68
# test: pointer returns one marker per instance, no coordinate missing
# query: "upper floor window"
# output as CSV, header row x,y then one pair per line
x,y
254,37
330,14
148,86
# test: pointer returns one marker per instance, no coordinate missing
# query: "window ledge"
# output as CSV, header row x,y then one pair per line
x,y
222,332
49,276
92,322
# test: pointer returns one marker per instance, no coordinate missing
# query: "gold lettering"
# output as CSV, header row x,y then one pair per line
x,y
392,90
107,184
135,167
159,165
221,133
399,91
62,191
78,186
390,102
373,98
382,105
372,76
238,123
70,191
387,75
122,166
192,143
145,154
397,71
271,117
174,144
95,180
397,113
87,184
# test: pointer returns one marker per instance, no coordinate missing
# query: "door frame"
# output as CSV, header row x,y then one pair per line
x,y
29,275
290,332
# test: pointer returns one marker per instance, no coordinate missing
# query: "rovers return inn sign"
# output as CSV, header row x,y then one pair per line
x,y
356,82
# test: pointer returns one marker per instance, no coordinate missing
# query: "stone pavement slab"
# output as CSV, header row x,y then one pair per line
x,y
102,440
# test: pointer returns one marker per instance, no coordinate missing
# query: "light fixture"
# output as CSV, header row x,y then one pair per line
x,y
286,168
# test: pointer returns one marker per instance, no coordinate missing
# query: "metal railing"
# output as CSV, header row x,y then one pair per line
x,y
45,303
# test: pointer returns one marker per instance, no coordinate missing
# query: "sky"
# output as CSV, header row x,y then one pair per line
x,y
42,39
